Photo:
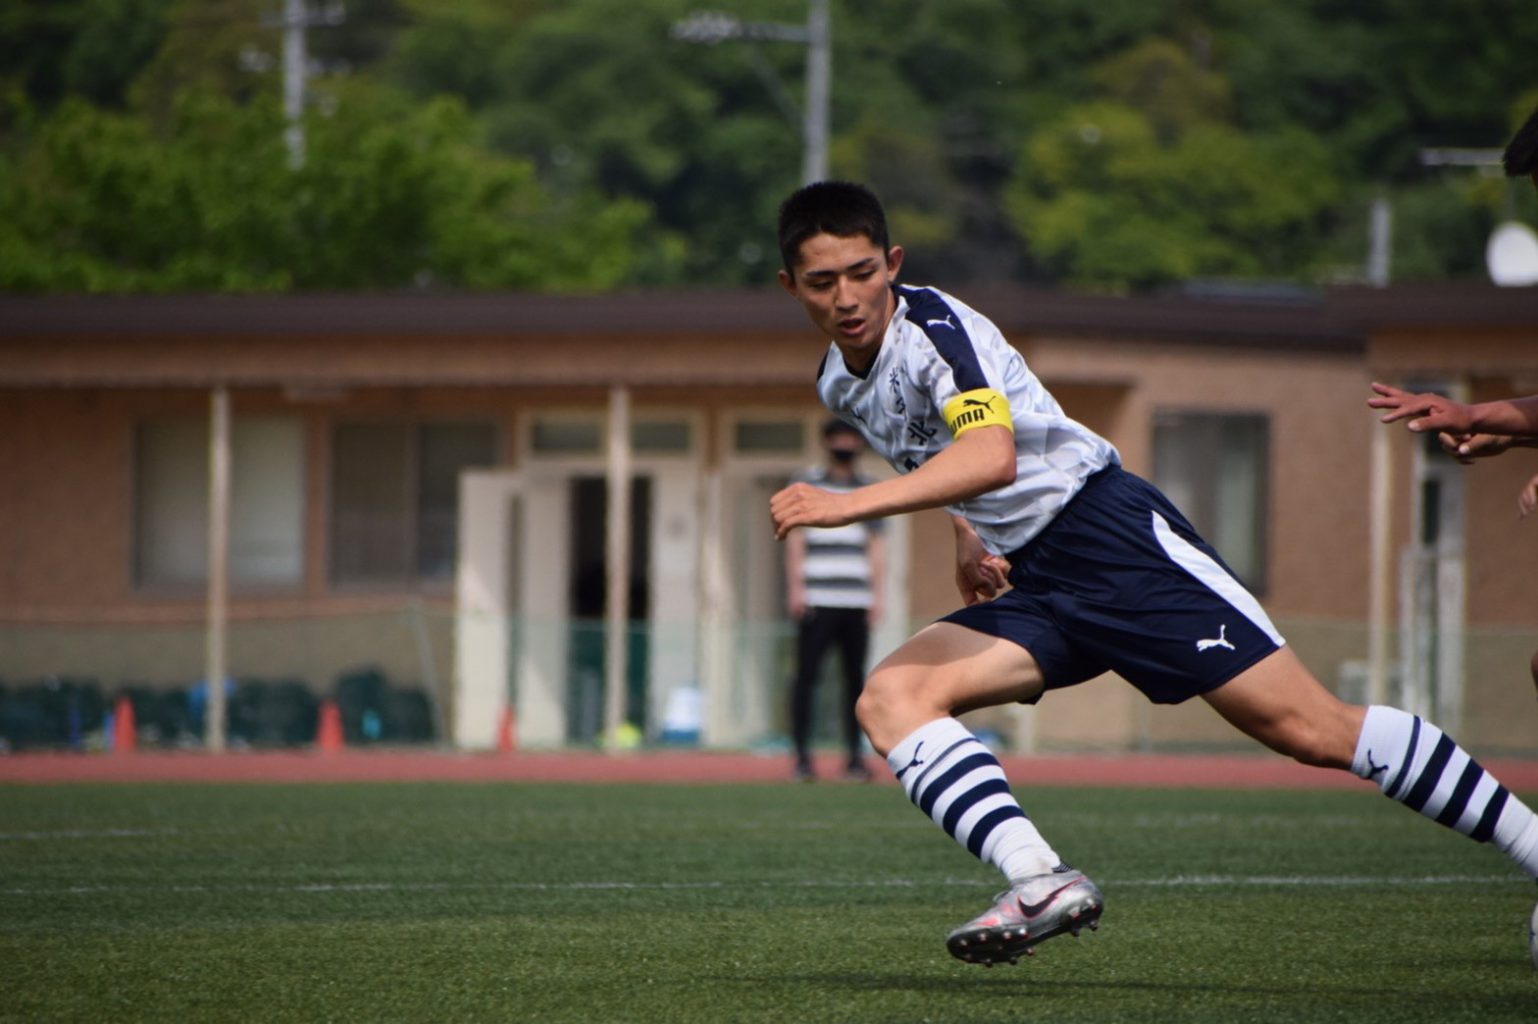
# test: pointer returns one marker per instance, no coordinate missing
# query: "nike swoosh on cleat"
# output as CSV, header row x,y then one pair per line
x,y
1032,909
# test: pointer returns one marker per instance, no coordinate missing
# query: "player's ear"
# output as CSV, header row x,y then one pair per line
x,y
788,283
894,261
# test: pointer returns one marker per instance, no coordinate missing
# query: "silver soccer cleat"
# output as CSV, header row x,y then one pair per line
x,y
1030,912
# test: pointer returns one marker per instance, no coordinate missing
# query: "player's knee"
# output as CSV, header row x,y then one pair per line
x,y
875,703
1313,744
887,708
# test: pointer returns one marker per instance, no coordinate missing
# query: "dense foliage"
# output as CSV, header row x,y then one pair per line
x,y
577,144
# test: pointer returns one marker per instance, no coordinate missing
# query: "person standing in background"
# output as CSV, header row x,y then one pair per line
x,y
833,581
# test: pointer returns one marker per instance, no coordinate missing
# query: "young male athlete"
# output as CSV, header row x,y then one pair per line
x,y
1105,574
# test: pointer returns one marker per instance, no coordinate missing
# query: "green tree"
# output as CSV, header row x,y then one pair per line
x,y
390,196
1114,196
50,49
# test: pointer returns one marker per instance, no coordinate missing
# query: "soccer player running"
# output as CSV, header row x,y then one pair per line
x,y
1105,575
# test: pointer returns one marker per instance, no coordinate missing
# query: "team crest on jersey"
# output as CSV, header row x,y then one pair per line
x,y
920,433
895,389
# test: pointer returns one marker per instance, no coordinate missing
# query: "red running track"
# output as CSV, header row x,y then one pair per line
x,y
1261,771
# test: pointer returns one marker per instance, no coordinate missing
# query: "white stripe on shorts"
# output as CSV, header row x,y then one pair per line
x,y
1212,575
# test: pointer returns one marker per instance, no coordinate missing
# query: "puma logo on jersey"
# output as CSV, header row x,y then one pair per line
x,y
942,323
974,402
1221,640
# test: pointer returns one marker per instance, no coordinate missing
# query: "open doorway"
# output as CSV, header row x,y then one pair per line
x,y
587,590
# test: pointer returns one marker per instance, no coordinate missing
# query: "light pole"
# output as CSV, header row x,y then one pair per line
x,y
295,19
713,27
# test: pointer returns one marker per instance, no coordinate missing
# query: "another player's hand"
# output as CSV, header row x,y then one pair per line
x,y
1468,447
801,504
1527,500
1430,412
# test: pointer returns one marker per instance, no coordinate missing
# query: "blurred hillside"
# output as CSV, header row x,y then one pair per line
x,y
576,145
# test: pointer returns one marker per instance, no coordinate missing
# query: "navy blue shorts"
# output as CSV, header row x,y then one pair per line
x,y
1120,582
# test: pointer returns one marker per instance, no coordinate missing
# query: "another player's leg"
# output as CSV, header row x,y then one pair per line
x,y
854,642
908,710
811,643
1280,703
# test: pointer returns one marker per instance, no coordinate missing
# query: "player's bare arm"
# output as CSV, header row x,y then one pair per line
x,y
1467,431
978,461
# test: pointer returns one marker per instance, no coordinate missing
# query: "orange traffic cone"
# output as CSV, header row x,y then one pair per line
x,y
125,732
328,734
507,731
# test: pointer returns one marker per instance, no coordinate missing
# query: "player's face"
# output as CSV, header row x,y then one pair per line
x,y
845,285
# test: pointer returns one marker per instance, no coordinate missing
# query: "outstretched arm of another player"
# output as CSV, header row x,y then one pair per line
x,y
1465,431
979,461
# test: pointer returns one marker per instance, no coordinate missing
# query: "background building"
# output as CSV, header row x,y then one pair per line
x,y
421,484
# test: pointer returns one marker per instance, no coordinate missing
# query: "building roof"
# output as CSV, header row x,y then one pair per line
x,y
686,338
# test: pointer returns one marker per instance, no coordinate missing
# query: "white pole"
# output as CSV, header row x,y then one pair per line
x,y
214,669
1380,490
617,606
1381,485
819,74
294,73
1380,243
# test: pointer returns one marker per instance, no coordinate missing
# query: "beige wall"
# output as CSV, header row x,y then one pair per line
x,y
66,507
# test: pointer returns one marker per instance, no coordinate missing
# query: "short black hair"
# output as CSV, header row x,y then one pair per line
x,y
837,426
1521,156
839,208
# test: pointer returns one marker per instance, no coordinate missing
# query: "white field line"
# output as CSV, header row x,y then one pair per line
x,y
1172,882
82,833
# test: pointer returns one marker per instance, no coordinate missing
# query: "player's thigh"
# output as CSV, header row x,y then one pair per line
x,y
948,669
1279,702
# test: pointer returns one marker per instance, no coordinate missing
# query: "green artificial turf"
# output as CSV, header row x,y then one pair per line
x,y
488,902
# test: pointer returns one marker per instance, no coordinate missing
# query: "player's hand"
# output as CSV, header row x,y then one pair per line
x,y
1430,412
801,504
980,574
1527,502
982,580
1468,447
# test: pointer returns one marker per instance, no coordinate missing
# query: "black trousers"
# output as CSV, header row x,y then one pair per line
x,y
821,630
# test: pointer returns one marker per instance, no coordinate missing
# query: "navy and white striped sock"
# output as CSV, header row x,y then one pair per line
x,y
953,778
1417,764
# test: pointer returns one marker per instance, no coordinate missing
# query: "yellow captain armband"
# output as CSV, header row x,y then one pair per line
x,y
982,407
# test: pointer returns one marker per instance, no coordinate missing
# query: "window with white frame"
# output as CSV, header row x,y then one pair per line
x,y
1215,467
395,497
171,502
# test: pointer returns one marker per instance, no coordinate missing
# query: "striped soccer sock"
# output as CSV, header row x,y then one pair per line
x,y
1415,763
953,778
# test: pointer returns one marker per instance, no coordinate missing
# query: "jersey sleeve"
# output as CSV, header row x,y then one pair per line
x,y
959,368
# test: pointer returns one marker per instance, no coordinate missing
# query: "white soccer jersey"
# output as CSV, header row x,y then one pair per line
x,y
936,350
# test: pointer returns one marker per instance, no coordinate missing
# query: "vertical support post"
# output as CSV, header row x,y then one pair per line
x,y
295,72
617,605
219,482
1381,483
819,74
1380,243
1379,498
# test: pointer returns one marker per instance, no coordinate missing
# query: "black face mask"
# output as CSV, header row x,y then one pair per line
x,y
843,456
